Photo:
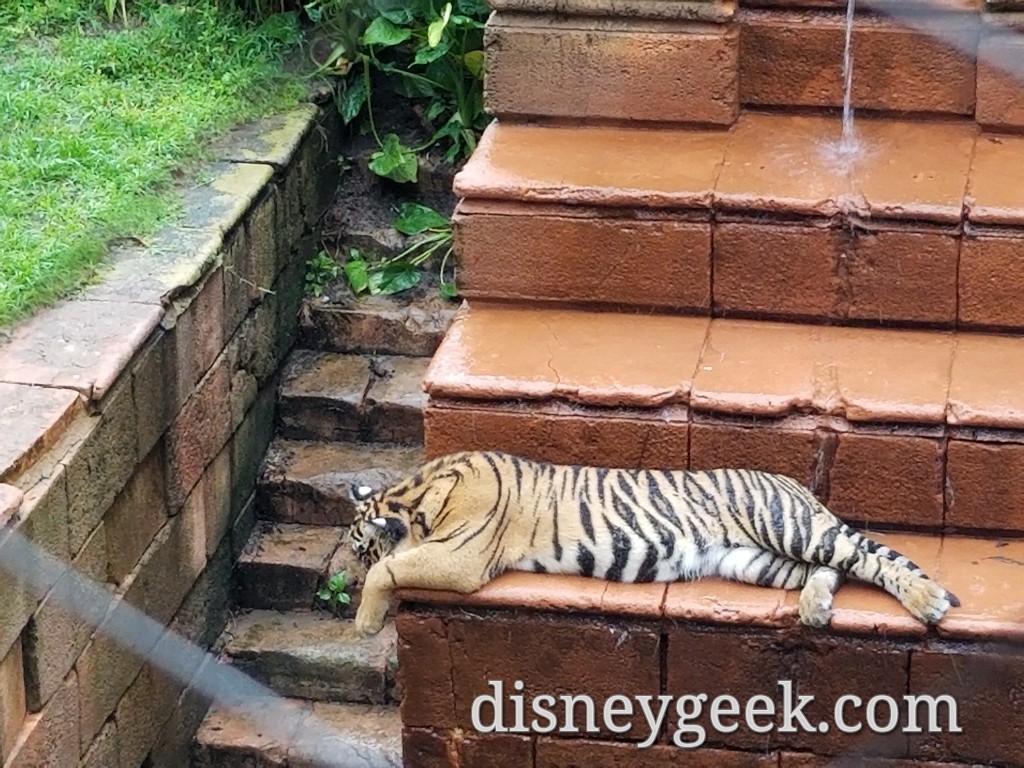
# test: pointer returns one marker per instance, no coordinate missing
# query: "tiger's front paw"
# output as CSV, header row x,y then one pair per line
x,y
370,618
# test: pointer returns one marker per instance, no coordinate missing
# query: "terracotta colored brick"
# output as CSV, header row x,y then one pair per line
x,y
61,625
12,699
495,751
830,668
422,748
983,489
901,276
590,259
556,656
215,492
564,436
719,663
138,512
1000,100
991,268
982,393
808,760
887,479
32,420
204,612
249,446
429,700
772,269
790,58
614,68
566,753
986,687
755,446
197,434
50,737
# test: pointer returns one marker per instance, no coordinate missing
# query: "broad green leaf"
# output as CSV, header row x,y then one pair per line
x,y
344,598
314,11
436,28
324,594
435,109
414,218
475,8
394,161
353,99
404,277
356,272
385,33
427,55
474,61
448,290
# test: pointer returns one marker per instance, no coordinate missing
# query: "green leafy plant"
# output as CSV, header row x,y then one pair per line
x,y
432,56
335,592
431,233
319,270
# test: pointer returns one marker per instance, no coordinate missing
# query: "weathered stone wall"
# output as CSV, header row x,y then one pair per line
x,y
133,420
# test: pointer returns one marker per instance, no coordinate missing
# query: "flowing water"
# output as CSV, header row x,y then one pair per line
x,y
848,144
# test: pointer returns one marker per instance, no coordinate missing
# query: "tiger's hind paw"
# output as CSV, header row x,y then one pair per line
x,y
928,601
815,604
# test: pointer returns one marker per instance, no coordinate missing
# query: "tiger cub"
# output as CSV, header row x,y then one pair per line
x,y
467,517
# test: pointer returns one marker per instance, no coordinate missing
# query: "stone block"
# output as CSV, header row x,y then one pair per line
x,y
51,736
138,512
62,624
12,699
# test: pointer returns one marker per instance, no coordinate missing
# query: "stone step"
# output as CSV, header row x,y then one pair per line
x,y
558,634
352,398
308,482
702,62
892,428
314,655
299,734
760,220
283,565
376,325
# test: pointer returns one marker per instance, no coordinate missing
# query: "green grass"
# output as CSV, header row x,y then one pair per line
x,y
97,120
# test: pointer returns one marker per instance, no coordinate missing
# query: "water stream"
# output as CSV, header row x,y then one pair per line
x,y
848,143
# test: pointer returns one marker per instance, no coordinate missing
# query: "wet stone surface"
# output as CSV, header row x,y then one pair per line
x,y
314,655
326,396
309,482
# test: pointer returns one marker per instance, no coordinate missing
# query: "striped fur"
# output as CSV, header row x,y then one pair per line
x,y
467,517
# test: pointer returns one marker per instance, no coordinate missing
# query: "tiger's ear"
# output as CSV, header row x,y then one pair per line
x,y
360,492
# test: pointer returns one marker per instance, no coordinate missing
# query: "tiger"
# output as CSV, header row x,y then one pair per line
x,y
464,518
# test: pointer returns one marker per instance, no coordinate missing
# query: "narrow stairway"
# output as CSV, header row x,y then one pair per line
x,y
350,411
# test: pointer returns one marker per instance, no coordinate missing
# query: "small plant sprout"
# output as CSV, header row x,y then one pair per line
x,y
334,593
432,236
319,270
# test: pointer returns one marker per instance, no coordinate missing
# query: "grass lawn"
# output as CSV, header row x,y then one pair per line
x,y
96,119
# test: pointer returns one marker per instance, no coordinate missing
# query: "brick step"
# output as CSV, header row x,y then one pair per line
x,y
754,221
891,428
308,482
700,62
314,655
299,734
376,325
583,637
350,398
283,565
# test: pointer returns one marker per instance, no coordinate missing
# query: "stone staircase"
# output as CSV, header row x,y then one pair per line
x,y
350,411
664,266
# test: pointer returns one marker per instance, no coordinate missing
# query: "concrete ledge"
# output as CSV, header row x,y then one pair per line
x,y
134,417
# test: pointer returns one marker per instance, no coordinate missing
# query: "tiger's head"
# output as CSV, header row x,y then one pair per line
x,y
401,515
372,535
